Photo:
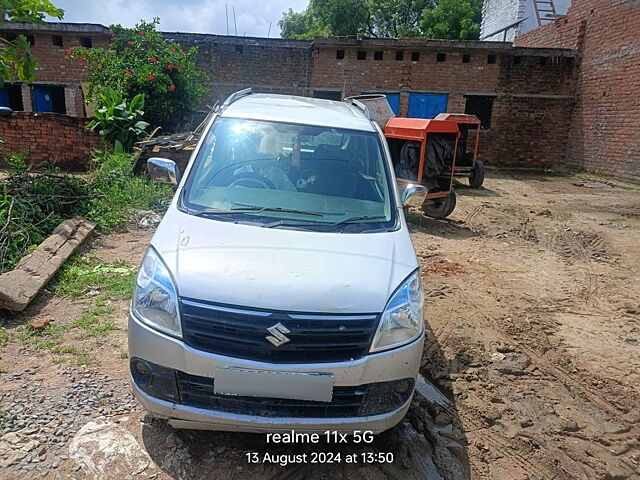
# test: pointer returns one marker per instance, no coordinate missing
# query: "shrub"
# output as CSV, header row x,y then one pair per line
x,y
120,191
139,61
32,203
119,122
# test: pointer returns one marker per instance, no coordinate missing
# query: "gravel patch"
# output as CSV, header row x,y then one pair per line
x,y
42,422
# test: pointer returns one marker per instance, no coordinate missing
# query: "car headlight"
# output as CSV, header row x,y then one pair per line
x,y
155,298
401,321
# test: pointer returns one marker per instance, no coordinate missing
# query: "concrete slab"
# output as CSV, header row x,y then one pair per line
x,y
19,286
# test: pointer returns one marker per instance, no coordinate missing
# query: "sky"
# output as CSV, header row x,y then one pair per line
x,y
199,16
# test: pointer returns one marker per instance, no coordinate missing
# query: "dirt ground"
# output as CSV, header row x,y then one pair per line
x,y
533,311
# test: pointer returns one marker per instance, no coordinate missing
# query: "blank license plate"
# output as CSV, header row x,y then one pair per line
x,y
266,383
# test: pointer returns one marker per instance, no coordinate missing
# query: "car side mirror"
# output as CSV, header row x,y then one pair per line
x,y
5,112
413,195
163,170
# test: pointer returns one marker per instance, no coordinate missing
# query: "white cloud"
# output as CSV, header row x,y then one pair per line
x,y
202,16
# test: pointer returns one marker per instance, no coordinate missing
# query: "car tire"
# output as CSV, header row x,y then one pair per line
x,y
476,177
440,207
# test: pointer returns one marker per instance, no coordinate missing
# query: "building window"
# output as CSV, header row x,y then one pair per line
x,y
339,54
415,56
11,96
517,60
328,94
57,40
239,48
441,57
491,59
362,55
466,58
86,42
543,61
399,55
378,55
481,106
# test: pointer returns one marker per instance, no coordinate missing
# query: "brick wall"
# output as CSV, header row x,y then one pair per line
x,y
533,89
604,135
49,137
266,65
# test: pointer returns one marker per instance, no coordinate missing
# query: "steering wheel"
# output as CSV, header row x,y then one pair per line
x,y
251,180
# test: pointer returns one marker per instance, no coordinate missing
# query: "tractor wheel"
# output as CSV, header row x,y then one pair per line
x,y
440,207
476,177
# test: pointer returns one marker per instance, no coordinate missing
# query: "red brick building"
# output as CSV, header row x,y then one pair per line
x,y
604,133
565,95
58,81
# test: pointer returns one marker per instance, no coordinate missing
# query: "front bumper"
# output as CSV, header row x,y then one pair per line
x,y
155,347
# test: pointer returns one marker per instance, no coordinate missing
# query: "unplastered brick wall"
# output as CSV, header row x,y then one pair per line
x,y
604,134
268,65
54,66
49,137
532,89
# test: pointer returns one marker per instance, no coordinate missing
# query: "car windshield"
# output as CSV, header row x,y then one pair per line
x,y
290,175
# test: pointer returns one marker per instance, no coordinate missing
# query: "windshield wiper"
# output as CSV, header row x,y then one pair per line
x,y
358,219
293,223
276,209
212,211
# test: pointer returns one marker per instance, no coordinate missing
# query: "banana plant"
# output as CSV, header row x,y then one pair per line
x,y
117,121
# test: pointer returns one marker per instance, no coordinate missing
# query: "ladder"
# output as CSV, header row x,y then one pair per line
x,y
545,11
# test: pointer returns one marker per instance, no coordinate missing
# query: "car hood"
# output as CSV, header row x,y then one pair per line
x,y
282,269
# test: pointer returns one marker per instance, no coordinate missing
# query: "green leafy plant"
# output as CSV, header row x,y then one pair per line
x,y
80,275
4,336
119,122
118,191
140,61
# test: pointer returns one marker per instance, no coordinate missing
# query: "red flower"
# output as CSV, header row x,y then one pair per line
x,y
150,77
68,51
82,57
173,49
172,87
129,43
112,33
128,73
141,32
153,59
170,67
183,52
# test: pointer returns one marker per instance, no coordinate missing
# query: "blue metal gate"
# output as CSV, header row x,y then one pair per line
x,y
427,105
43,99
394,102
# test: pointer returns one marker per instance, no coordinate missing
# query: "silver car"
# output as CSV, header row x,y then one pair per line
x,y
281,290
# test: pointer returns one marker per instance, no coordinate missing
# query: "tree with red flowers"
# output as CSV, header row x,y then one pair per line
x,y
139,60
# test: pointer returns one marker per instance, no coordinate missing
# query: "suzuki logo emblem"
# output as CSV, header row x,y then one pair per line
x,y
278,331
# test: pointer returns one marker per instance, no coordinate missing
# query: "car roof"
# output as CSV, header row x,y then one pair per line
x,y
301,110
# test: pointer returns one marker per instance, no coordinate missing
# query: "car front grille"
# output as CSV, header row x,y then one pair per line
x,y
242,333
195,391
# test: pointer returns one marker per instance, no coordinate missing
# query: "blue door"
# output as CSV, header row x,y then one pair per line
x,y
4,97
394,102
43,99
427,105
